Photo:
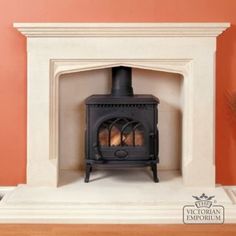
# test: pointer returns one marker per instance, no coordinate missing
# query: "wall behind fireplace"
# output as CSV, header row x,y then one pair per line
x,y
13,65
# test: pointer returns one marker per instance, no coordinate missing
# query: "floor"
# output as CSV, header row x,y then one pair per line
x,y
117,230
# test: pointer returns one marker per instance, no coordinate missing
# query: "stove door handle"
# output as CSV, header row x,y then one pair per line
x,y
152,154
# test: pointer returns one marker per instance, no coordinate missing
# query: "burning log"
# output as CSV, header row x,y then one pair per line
x,y
115,136
104,137
138,138
127,139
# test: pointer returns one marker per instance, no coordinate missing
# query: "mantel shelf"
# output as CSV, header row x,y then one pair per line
x,y
121,29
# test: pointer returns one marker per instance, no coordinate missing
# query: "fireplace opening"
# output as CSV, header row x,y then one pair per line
x,y
75,87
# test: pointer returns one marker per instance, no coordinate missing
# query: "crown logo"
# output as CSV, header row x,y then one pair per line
x,y
203,201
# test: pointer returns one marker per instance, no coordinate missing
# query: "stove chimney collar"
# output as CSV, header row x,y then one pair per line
x,y
122,81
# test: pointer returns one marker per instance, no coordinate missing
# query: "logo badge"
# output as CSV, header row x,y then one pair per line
x,y
204,211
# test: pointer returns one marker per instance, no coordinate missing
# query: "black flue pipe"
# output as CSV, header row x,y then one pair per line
x,y
122,81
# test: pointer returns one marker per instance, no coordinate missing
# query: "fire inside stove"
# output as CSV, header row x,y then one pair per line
x,y
121,128
121,132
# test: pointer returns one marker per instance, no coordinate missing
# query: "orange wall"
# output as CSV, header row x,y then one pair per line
x,y
13,65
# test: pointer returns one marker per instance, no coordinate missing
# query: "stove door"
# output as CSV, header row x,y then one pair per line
x,y
122,139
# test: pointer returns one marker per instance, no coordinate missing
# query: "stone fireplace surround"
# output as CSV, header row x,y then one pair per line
x,y
185,48
55,49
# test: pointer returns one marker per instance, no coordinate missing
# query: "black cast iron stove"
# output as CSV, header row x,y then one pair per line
x,y
121,128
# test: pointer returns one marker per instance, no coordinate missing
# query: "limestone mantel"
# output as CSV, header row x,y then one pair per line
x,y
54,49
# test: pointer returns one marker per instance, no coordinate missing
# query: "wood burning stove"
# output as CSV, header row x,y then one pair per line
x,y
121,128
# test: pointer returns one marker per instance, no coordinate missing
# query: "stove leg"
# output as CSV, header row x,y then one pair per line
x,y
154,171
87,172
